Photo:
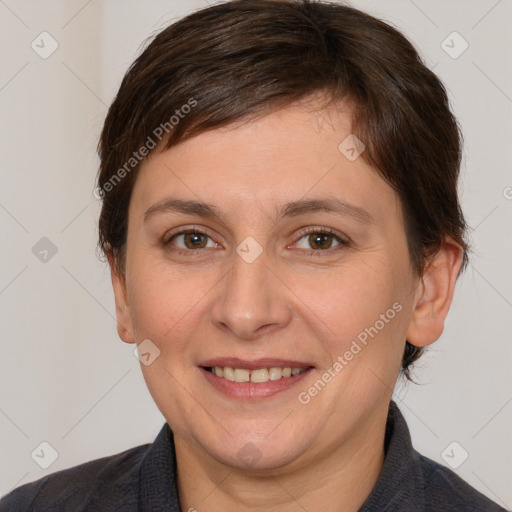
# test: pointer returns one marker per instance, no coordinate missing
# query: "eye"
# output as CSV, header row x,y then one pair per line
x,y
320,239
315,240
190,240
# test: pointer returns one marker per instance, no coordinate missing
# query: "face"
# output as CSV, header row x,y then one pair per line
x,y
253,250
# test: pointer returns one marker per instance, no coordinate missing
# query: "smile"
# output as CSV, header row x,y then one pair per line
x,y
258,375
253,380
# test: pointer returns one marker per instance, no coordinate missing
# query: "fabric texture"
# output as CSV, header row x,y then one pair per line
x,y
143,479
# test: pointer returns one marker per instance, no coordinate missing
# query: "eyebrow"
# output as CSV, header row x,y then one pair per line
x,y
292,209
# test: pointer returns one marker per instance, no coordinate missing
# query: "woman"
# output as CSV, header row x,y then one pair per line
x,y
281,220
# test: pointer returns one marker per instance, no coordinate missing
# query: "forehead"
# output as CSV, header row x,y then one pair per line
x,y
297,153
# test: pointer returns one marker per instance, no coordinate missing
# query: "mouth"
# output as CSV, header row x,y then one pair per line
x,y
258,375
255,379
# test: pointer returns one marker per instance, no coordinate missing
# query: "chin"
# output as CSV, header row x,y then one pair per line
x,y
256,457
256,447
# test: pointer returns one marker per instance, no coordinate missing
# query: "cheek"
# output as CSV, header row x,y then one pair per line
x,y
359,311
166,304
350,297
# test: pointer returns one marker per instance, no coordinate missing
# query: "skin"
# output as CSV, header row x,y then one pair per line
x,y
295,301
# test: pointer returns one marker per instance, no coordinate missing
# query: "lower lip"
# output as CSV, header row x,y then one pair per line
x,y
252,390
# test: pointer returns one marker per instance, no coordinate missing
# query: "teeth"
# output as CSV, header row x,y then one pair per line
x,y
242,375
275,373
229,373
259,375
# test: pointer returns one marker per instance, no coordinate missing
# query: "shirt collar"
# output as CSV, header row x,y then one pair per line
x,y
158,486
401,484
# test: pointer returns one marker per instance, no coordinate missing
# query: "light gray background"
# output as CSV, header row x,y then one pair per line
x,y
67,379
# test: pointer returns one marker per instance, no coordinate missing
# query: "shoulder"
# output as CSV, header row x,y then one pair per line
x,y
446,491
111,481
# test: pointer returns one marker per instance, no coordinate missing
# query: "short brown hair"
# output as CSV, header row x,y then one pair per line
x,y
245,58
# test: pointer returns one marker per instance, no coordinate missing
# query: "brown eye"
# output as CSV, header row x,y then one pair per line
x,y
190,240
194,240
319,240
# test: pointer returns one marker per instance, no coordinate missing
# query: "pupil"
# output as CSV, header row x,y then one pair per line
x,y
194,239
320,239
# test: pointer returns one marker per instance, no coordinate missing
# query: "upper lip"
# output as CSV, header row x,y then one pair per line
x,y
253,364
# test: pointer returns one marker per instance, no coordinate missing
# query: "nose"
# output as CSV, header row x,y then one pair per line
x,y
252,300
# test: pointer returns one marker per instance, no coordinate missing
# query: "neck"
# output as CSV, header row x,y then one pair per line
x,y
340,478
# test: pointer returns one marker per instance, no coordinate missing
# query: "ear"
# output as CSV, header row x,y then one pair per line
x,y
434,295
123,316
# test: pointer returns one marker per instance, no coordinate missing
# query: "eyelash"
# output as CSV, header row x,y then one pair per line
x,y
343,243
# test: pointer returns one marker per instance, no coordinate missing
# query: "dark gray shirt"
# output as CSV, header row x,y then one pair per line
x,y
144,479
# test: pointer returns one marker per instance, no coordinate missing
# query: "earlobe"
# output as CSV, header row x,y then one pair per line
x,y
435,294
123,316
